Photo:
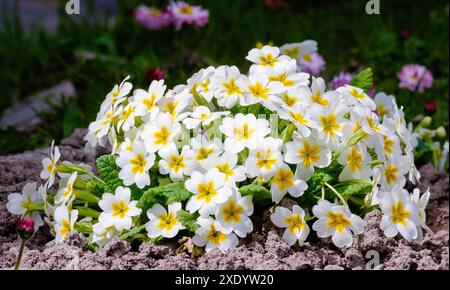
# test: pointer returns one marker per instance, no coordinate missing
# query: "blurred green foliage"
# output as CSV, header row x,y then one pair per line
x,y
348,38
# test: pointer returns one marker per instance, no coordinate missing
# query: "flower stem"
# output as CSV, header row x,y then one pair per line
x,y
337,194
19,256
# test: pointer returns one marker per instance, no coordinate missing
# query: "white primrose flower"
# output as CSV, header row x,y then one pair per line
x,y
118,209
299,116
317,94
356,163
330,120
228,84
287,75
292,97
243,131
298,49
131,137
259,89
202,116
126,119
148,100
208,190
384,104
285,181
205,149
64,222
49,165
393,172
307,153
135,166
163,223
233,215
227,164
199,83
210,235
177,165
65,191
356,96
117,95
400,214
293,221
336,221
19,204
265,158
161,133
266,58
175,104
101,127
421,203
102,235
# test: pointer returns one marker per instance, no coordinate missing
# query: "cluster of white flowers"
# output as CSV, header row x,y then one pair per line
x,y
275,127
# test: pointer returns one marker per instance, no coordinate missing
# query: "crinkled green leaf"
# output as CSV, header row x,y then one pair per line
x,y
109,171
363,80
132,232
188,220
353,187
259,193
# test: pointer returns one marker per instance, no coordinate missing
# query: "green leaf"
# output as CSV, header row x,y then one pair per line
x,y
163,195
363,80
109,171
130,233
87,212
353,187
83,227
259,193
188,220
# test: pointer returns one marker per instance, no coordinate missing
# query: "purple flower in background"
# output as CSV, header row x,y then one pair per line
x,y
312,63
183,13
154,74
415,77
152,18
340,80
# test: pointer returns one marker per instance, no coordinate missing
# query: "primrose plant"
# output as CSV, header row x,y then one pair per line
x,y
194,161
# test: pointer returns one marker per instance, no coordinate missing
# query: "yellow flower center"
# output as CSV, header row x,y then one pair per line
x,y
127,113
318,99
381,110
162,136
68,190
186,9
291,52
354,160
268,60
138,163
216,237
232,212
150,102
225,169
205,85
65,228
282,78
357,94
309,153
390,173
167,222
307,57
284,178
288,100
120,209
265,159
388,144
298,117
244,132
399,213
206,191
171,107
232,87
176,163
295,223
203,153
338,221
330,125
373,124
258,91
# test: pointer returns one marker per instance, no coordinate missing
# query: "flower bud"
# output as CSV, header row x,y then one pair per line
x,y
25,227
430,108
426,121
441,133
154,74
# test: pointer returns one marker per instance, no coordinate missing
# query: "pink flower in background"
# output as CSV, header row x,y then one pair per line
x,y
415,77
152,17
340,80
154,74
25,227
183,13
312,63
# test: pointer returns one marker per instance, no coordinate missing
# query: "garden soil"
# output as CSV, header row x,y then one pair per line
x,y
263,249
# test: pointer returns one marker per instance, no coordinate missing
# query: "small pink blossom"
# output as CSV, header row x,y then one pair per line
x,y
415,77
152,18
183,13
340,80
312,63
25,227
